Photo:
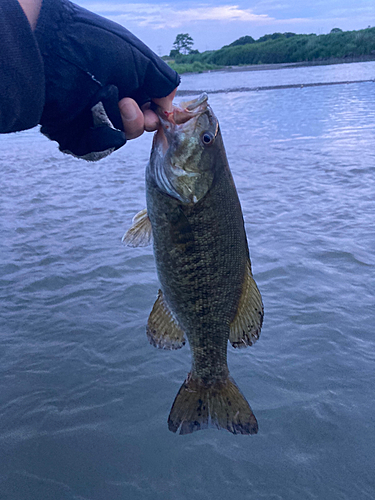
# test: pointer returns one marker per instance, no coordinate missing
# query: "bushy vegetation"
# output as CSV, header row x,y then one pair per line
x,y
242,41
195,67
283,48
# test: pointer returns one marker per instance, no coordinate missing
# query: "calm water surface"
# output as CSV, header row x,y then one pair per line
x,y
84,398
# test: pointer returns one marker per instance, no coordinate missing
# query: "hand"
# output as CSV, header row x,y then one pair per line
x,y
98,78
138,120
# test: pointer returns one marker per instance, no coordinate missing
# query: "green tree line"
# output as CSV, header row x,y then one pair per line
x,y
284,48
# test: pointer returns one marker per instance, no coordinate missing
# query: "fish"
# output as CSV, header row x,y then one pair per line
x,y
207,294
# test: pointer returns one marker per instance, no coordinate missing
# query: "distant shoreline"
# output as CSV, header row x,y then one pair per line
x,y
328,62
274,66
273,87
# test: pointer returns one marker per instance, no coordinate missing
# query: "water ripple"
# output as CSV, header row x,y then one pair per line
x,y
84,398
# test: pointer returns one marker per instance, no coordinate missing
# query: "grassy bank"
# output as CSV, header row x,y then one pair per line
x,y
337,46
195,67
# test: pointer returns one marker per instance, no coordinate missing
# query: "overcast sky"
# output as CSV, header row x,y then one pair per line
x,y
214,23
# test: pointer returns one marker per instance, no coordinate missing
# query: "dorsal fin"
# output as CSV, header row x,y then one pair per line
x,y
245,328
140,234
163,330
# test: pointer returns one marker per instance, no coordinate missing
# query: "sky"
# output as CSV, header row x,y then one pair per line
x,y
214,23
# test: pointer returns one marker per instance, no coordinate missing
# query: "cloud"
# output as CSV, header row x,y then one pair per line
x,y
166,15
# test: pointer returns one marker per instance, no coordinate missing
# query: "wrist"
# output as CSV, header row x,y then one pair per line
x,y
31,9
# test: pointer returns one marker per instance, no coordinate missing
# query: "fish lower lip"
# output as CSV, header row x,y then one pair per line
x,y
195,104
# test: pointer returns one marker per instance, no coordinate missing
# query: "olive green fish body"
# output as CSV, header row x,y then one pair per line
x,y
201,254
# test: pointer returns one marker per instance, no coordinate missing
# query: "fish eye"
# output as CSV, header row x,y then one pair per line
x,y
207,138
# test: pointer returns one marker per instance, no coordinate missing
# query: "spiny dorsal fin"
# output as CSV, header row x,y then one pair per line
x,y
245,328
140,234
162,329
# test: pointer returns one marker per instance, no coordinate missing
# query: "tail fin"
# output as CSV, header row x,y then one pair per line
x,y
198,406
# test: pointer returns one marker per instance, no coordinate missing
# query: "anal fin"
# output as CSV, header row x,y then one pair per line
x,y
246,326
140,234
163,330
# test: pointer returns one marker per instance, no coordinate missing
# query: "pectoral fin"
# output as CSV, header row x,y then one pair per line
x,y
140,234
163,330
245,328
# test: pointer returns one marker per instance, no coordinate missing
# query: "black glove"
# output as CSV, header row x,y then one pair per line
x,y
21,71
90,63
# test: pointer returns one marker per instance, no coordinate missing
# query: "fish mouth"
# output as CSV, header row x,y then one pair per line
x,y
176,150
173,121
190,109
184,112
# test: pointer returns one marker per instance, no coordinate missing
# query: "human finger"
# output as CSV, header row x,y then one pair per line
x,y
132,118
166,103
150,117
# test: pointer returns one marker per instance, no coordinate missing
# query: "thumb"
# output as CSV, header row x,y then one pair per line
x,y
132,118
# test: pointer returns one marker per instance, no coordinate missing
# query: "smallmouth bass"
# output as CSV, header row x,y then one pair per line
x,y
208,294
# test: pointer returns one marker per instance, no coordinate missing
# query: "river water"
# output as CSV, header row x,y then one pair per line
x,y
84,398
